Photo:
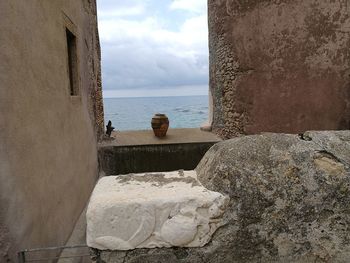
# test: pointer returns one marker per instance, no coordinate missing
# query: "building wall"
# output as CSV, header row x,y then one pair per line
x,y
48,149
279,66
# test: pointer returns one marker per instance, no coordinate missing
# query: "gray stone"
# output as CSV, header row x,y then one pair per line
x,y
289,201
289,196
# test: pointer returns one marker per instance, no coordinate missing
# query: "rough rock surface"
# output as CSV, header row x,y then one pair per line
x,y
152,210
289,202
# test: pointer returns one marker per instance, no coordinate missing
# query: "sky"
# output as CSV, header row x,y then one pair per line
x,y
153,47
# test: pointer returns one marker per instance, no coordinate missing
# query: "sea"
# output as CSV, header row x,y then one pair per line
x,y
137,113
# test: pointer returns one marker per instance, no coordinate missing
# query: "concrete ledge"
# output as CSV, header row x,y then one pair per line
x,y
174,136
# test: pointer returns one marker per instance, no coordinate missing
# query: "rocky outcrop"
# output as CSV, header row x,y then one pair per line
x,y
289,202
290,196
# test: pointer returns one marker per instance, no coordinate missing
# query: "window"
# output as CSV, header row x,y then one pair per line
x,y
72,63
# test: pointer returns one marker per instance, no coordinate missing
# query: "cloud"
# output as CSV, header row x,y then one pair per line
x,y
197,6
144,53
123,11
109,9
171,91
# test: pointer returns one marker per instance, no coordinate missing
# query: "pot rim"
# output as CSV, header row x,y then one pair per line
x,y
160,115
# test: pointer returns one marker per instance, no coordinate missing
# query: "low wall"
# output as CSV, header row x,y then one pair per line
x,y
140,151
151,158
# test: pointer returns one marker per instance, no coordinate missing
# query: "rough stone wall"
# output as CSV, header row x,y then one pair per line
x,y
95,71
279,66
289,202
94,62
48,138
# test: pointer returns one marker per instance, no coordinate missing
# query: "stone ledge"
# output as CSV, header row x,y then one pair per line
x,y
174,136
153,210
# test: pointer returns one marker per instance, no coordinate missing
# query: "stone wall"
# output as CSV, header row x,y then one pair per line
x,y
289,201
279,66
48,138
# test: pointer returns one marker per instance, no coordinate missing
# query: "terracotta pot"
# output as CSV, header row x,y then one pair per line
x,y
160,124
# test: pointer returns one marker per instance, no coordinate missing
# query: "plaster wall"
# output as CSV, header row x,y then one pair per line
x,y
279,66
48,138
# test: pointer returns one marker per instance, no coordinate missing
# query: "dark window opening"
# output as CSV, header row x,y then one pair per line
x,y
72,63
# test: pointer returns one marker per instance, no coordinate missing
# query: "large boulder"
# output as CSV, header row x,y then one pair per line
x,y
289,201
290,196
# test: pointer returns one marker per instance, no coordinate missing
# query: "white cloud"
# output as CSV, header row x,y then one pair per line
x,y
190,40
197,6
119,30
143,52
123,11
120,8
169,91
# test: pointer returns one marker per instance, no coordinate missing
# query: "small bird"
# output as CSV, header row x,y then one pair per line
x,y
109,128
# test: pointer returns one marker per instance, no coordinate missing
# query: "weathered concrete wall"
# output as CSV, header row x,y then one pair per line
x,y
280,66
48,149
116,160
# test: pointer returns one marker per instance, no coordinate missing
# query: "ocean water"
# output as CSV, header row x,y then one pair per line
x,y
137,113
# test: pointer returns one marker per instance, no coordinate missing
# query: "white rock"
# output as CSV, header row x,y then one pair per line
x,y
153,210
